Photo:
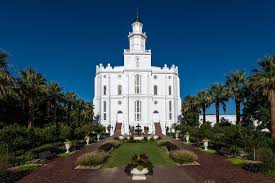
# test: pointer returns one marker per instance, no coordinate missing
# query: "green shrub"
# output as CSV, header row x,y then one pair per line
x,y
108,145
170,146
183,156
66,132
79,133
92,159
139,161
51,133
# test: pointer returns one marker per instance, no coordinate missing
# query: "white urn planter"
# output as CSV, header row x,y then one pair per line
x,y
98,137
67,147
138,138
177,134
87,141
121,137
205,144
149,137
155,137
139,174
187,138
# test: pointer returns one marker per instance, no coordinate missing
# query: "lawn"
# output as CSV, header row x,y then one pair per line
x,y
122,155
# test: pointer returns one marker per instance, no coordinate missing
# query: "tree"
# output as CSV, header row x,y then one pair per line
x,y
70,99
54,95
6,78
235,84
264,81
218,96
31,84
204,100
190,111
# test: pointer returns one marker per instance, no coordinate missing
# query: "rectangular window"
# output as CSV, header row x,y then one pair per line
x,y
170,110
104,110
170,90
104,90
119,90
137,84
137,110
155,90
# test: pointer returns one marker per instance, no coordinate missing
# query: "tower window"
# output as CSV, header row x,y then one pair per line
x,y
155,90
104,90
170,90
170,110
137,110
104,110
119,90
137,84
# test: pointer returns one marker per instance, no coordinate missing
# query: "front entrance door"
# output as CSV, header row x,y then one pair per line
x,y
156,116
119,116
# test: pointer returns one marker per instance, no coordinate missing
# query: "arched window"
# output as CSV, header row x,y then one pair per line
x,y
137,110
119,90
104,110
170,110
155,90
170,90
104,90
137,84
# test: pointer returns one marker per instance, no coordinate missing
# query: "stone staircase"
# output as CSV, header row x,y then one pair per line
x,y
117,130
158,129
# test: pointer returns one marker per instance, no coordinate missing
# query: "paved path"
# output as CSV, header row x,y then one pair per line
x,y
213,167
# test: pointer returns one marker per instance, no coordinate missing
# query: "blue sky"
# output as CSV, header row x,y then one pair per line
x,y
65,39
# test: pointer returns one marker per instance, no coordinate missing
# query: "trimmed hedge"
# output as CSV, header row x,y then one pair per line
x,y
92,159
108,145
183,156
170,146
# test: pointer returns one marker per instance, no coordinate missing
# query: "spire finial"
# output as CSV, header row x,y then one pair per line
x,y
137,12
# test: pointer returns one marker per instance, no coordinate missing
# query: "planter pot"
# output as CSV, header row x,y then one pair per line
x,y
87,141
121,137
138,138
155,137
67,147
205,144
187,138
139,174
98,137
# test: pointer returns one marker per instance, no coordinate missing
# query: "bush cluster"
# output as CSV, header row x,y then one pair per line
x,y
169,145
108,145
92,159
183,156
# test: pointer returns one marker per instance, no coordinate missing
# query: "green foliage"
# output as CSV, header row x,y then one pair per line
x,y
236,161
66,132
183,156
108,145
29,167
92,159
139,161
169,145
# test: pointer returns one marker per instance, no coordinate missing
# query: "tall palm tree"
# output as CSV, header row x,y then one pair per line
x,y
54,94
218,96
204,100
31,84
235,84
264,81
6,78
70,100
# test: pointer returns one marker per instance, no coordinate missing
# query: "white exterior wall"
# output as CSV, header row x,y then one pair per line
x,y
137,60
212,118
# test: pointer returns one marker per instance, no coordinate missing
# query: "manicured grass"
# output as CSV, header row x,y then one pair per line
x,y
122,155
236,161
63,154
29,167
209,151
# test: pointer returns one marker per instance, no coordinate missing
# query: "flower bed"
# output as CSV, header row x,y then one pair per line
x,y
139,161
183,156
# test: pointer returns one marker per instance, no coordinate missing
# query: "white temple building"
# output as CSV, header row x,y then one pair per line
x,y
137,92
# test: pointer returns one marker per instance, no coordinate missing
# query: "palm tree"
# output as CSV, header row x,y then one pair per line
x,y
204,100
70,99
54,95
6,78
235,84
31,85
264,81
218,96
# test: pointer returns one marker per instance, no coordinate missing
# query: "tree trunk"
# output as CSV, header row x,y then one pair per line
x,y
203,113
30,113
217,104
54,111
69,113
238,111
272,107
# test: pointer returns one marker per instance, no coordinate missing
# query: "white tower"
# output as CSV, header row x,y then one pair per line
x,y
137,57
